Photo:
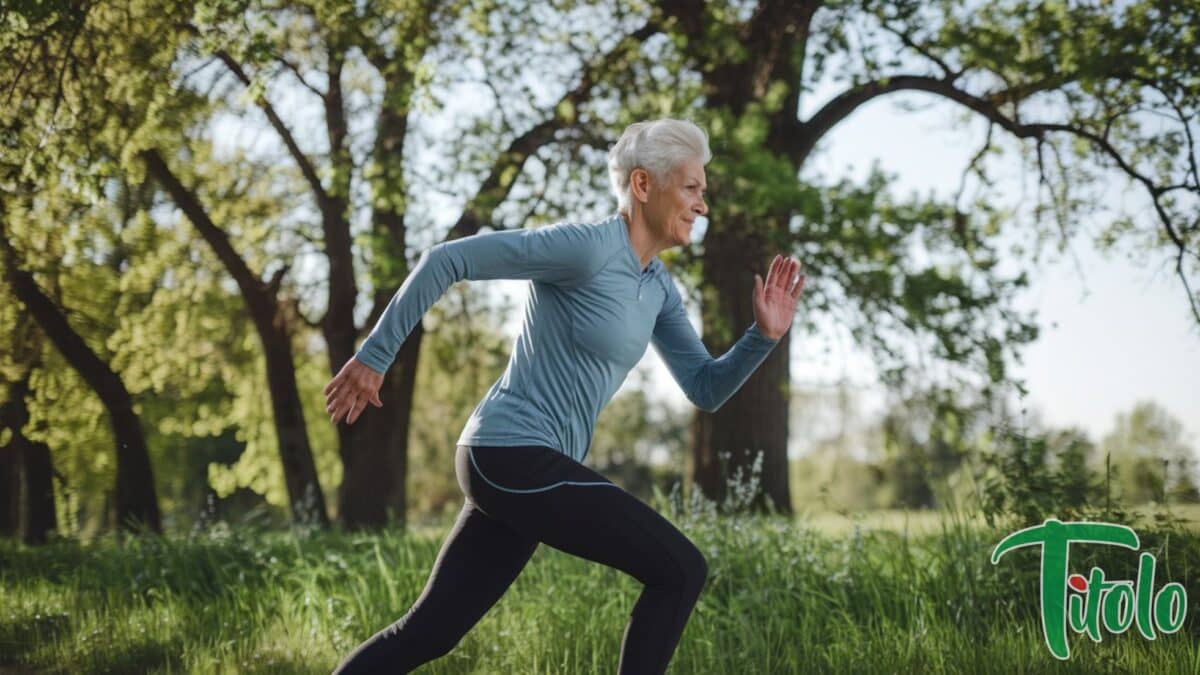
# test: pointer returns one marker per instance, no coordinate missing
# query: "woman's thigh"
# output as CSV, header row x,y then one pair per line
x,y
458,582
550,497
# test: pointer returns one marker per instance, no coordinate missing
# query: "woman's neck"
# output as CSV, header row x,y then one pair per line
x,y
645,245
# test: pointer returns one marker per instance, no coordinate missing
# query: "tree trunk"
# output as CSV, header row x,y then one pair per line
x,y
26,490
10,489
299,470
388,447
136,498
39,515
375,448
755,418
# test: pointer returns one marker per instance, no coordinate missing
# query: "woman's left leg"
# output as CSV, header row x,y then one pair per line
x,y
478,562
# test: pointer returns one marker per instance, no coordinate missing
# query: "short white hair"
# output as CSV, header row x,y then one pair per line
x,y
657,146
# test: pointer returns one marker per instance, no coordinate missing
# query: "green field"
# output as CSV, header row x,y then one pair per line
x,y
877,593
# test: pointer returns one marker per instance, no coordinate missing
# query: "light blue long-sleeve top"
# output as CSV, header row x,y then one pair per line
x,y
592,309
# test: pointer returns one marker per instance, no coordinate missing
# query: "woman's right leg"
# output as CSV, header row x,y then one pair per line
x,y
479,560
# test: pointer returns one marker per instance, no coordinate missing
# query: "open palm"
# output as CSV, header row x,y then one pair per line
x,y
775,300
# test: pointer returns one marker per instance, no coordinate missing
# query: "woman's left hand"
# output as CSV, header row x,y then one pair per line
x,y
775,301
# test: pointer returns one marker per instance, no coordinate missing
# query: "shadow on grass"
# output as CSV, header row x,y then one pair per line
x,y
141,657
19,636
21,640
289,667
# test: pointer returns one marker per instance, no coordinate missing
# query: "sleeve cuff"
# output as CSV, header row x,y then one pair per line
x,y
758,336
372,361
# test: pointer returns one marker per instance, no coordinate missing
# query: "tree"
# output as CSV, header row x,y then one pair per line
x,y
926,438
1152,457
1080,83
275,333
136,499
91,104
151,303
35,501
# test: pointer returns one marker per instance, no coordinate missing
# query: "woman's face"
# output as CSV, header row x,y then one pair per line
x,y
671,208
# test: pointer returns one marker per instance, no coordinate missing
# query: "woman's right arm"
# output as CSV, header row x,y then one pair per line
x,y
562,254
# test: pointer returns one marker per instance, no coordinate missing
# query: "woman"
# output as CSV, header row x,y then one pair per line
x,y
598,295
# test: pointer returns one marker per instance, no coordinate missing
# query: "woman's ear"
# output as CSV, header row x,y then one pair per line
x,y
639,184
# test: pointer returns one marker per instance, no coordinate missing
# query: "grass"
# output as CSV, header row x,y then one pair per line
x,y
879,593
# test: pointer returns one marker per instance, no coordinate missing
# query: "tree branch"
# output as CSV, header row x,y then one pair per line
x,y
276,280
845,103
54,324
295,70
499,182
337,128
974,166
294,304
1020,92
948,73
253,290
285,134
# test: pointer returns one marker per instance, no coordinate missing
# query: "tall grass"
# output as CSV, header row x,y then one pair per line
x,y
782,597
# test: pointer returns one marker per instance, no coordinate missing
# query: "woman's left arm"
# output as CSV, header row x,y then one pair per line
x,y
709,382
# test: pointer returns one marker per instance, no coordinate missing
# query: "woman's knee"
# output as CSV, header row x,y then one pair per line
x,y
689,569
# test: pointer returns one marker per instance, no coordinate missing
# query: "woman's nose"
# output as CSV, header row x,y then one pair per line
x,y
702,208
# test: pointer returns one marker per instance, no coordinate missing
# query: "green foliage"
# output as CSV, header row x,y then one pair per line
x,y
1149,449
248,411
926,439
914,271
89,92
1034,476
157,311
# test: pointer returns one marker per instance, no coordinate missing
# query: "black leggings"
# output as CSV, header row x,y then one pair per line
x,y
516,498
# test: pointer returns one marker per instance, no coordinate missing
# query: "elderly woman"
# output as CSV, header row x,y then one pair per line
x,y
598,296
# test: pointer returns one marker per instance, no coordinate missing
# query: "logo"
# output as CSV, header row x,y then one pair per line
x,y
1118,604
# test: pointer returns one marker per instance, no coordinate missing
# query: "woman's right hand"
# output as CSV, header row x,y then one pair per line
x,y
348,393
